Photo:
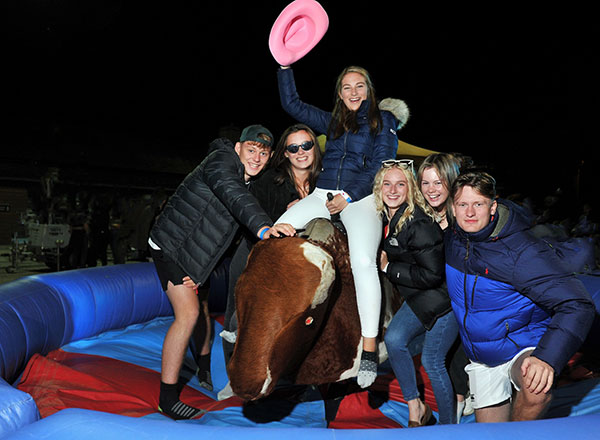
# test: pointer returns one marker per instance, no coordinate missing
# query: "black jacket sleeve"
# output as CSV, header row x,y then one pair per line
x,y
222,176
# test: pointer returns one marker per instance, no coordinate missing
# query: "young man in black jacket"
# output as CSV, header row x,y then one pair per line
x,y
195,228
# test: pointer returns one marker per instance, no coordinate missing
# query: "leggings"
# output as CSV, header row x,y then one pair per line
x,y
363,226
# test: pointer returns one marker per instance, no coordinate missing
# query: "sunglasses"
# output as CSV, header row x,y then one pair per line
x,y
306,146
406,163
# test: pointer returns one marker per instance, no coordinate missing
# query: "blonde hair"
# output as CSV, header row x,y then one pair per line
x,y
414,197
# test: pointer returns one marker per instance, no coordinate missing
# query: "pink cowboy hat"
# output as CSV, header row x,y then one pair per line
x,y
299,27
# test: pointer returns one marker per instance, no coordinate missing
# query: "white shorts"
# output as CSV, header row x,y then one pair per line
x,y
492,385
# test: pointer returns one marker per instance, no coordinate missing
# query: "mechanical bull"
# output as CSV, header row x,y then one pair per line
x,y
297,314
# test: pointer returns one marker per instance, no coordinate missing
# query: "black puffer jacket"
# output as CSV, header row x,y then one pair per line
x,y
274,197
416,265
201,218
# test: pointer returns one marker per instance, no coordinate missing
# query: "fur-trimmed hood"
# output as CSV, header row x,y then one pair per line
x,y
398,108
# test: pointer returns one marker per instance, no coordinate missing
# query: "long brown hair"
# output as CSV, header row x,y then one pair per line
x,y
343,119
446,165
283,165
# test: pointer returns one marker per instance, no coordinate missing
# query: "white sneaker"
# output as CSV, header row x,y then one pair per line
x,y
229,336
468,406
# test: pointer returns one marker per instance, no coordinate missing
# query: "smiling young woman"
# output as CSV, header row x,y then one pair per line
x,y
413,259
292,173
360,136
435,177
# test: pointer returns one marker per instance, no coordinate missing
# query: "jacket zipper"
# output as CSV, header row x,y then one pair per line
x,y
339,176
473,291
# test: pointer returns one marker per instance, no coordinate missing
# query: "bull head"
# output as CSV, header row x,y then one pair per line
x,y
297,314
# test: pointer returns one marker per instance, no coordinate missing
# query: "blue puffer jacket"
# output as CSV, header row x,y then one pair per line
x,y
350,161
510,291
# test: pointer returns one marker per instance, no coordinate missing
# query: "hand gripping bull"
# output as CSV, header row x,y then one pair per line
x,y
297,314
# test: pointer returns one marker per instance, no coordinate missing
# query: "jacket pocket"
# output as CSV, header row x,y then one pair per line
x,y
508,337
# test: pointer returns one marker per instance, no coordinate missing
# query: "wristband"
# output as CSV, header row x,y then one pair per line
x,y
262,234
347,196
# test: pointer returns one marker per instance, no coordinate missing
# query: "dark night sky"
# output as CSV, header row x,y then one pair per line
x,y
127,81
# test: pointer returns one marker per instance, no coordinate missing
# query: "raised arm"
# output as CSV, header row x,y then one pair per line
x,y
314,117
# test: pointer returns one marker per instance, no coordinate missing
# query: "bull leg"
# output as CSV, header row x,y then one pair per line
x,y
332,399
333,394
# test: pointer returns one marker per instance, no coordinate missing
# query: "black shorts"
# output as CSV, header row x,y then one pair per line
x,y
169,270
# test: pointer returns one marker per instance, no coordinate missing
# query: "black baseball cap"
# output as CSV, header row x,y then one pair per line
x,y
257,133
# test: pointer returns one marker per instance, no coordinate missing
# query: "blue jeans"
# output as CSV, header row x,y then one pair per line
x,y
405,326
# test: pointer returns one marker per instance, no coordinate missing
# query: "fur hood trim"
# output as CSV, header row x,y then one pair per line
x,y
397,107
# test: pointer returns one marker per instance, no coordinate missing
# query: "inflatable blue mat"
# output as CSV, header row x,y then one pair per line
x,y
119,315
79,424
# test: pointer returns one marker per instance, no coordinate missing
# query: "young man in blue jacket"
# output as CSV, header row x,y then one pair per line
x,y
521,314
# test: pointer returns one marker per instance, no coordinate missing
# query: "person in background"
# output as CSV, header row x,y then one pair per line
x,y
413,259
521,315
99,233
360,135
194,229
79,223
118,230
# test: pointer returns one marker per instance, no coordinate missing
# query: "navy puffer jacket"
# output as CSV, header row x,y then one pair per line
x,y
199,221
509,291
352,160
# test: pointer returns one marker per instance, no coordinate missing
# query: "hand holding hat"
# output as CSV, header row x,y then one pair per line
x,y
298,29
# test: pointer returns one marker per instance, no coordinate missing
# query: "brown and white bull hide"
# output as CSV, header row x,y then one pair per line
x,y
297,314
